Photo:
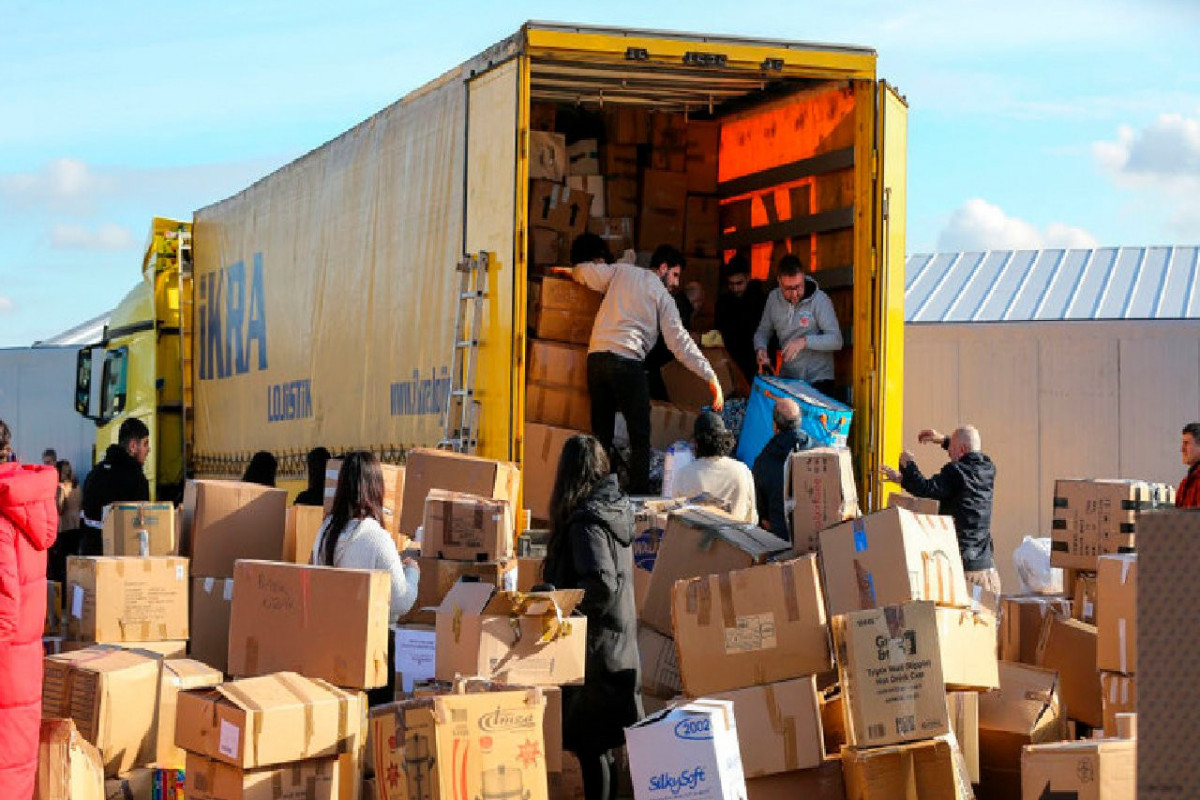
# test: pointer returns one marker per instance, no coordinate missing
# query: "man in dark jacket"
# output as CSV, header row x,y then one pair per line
x,y
739,310
964,490
769,467
118,478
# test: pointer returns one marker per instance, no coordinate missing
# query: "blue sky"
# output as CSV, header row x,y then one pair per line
x,y
1052,123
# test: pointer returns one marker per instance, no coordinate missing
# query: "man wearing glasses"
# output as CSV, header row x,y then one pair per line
x,y
802,318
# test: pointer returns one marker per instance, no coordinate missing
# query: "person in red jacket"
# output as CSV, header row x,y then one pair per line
x,y
28,525
1188,495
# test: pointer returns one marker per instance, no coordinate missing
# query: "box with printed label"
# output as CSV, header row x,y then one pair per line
x,y
543,448
701,542
1021,618
751,626
112,695
649,524
892,556
139,529
660,664
415,652
917,505
438,576
209,779
1096,517
272,719
689,751
323,622
1116,614
967,641
779,726
565,310
466,527
559,207
393,497
1118,695
1103,769
212,602
1068,647
440,469
891,674
822,493
232,520
178,675
1025,709
927,770
133,599
547,156
528,639
69,766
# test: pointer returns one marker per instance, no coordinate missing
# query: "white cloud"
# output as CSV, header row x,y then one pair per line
x,y
64,184
106,237
980,225
7,305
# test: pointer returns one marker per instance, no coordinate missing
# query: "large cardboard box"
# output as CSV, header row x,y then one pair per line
x,y
532,640
751,626
466,527
1096,517
621,197
1116,614
660,664
272,719
924,770
178,675
559,406
1025,709
175,648
620,160
1068,647
557,364
593,185
701,542
212,603
822,493
967,641
661,217
1083,597
648,527
891,674
547,156
1088,770
559,207
565,310
233,520
687,751
69,766
701,227
628,124
583,157
438,576
322,622
543,449
139,529
1118,695
485,743
779,726
1021,619
823,783
209,779
890,557
303,525
116,599
702,147
669,423
964,721
112,695
440,469
393,498
689,391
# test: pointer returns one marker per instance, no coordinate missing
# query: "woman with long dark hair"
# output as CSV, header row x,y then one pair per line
x,y
590,549
261,469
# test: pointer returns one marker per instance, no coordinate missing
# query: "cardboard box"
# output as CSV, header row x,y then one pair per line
x,y
565,311
139,529
69,766
235,520
648,527
208,779
1068,647
529,573
440,469
890,557
779,726
485,743
1083,597
112,695
668,130
1097,517
769,626
438,576
212,603
822,492
689,391
547,156
701,149
967,641
1127,726
178,675
55,622
593,186
300,534
175,648
669,423
663,209
559,207
823,783
1025,709
543,449
546,247
559,406
660,664
1021,619
963,708
1118,695
566,784
415,653
701,542
116,599
670,159
1116,614
466,527
701,227
272,719
891,675
621,197
687,751
583,157
393,498
925,770
322,622
552,728
617,232
1095,770
917,505
620,160
628,124
557,364
532,640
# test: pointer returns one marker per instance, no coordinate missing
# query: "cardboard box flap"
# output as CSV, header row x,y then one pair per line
x,y
537,604
188,673
279,690
751,539
466,597
1026,703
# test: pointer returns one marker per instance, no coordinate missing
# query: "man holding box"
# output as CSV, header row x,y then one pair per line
x,y
637,305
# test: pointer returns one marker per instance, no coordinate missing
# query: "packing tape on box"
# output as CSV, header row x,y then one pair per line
x,y
791,598
1125,563
699,601
306,702
866,586
725,587
784,726
1121,644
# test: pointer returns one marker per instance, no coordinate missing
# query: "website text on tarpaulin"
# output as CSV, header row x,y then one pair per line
x,y
421,396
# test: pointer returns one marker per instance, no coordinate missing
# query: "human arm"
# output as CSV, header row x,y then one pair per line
x,y
681,344
931,436
941,487
829,337
405,575
592,559
595,276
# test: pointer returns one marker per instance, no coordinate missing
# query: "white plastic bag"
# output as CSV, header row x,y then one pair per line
x,y
1036,576
679,455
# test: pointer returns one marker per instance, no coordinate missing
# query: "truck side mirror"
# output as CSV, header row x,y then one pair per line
x,y
83,382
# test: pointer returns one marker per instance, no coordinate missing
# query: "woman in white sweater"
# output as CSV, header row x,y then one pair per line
x,y
353,536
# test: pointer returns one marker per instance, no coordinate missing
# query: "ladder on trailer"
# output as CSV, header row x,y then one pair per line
x,y
460,420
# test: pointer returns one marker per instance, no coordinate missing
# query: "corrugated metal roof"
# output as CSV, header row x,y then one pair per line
x,y
1055,285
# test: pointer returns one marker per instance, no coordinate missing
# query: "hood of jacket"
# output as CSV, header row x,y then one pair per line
x,y
810,287
27,499
119,457
607,506
785,442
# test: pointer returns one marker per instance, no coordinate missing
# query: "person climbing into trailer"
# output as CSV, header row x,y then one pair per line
x,y
637,305
801,316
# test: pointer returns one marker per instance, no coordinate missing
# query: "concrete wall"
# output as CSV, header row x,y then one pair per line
x,y
37,401
1104,399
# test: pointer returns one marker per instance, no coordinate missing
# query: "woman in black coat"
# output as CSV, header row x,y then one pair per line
x,y
590,549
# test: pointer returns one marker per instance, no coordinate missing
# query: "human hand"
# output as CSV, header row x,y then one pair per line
x,y
905,458
793,348
408,562
764,360
718,396
561,272
889,474
930,436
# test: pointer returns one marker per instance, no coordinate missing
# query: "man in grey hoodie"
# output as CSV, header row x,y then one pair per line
x,y
801,316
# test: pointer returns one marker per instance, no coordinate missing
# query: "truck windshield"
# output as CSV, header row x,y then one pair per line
x,y
112,401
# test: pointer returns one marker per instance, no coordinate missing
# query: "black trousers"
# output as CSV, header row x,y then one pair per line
x,y
598,770
619,384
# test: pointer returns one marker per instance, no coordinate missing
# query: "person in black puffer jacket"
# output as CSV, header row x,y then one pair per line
x,y
769,467
964,489
117,479
590,549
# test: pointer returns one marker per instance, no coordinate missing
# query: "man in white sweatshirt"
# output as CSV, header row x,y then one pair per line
x,y
715,473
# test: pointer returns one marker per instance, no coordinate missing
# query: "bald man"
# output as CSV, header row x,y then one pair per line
x,y
963,488
768,467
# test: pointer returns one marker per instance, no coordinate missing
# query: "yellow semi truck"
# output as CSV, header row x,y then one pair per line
x,y
318,305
